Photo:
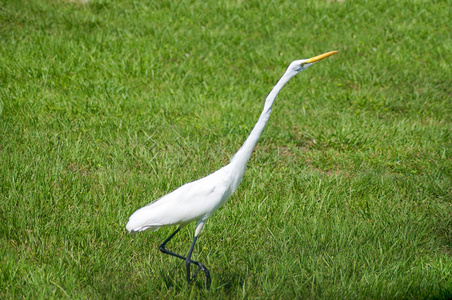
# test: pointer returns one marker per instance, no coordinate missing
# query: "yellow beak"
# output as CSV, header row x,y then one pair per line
x,y
321,56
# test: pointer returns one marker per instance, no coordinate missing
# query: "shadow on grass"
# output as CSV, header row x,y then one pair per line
x,y
229,281
174,277
225,280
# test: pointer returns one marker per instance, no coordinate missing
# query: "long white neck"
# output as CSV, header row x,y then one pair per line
x,y
240,159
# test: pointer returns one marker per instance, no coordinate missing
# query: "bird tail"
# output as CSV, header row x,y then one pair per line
x,y
141,220
142,228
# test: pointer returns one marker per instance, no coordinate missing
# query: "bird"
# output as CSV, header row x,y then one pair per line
x,y
198,200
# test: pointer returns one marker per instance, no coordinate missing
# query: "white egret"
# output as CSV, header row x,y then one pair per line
x,y
197,200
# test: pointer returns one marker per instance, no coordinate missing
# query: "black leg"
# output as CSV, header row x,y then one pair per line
x,y
187,259
164,250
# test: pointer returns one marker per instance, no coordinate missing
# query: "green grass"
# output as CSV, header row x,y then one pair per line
x,y
108,105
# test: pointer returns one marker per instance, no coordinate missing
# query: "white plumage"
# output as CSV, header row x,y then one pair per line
x,y
193,201
197,200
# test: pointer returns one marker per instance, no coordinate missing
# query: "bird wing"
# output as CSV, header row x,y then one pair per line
x,y
192,201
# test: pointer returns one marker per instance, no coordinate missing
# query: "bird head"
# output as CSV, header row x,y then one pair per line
x,y
299,65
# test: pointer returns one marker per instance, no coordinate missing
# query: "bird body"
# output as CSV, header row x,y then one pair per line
x,y
193,201
198,200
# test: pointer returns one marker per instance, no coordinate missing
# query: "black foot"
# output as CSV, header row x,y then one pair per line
x,y
205,270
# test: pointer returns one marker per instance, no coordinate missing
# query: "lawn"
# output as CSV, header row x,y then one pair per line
x,y
107,105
